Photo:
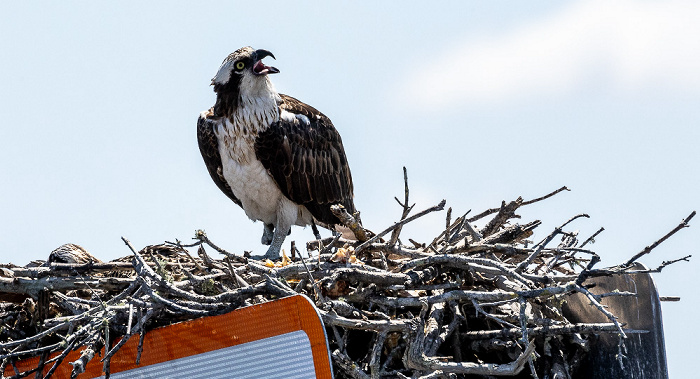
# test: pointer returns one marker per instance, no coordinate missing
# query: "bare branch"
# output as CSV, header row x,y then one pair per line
x,y
406,209
364,245
349,221
648,249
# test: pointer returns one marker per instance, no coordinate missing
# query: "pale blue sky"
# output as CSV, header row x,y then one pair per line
x,y
482,101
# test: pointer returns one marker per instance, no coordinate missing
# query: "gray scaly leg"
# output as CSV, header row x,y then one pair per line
x,y
273,252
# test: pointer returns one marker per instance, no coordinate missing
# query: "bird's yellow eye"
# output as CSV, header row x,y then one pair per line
x,y
240,66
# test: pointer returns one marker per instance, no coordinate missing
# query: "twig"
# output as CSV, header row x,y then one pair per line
x,y
332,318
349,221
488,315
592,237
376,354
202,237
547,196
406,209
517,332
506,212
648,249
61,357
663,265
348,366
365,244
544,243
494,210
317,290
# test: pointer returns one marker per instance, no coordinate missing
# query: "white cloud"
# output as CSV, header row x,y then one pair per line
x,y
625,46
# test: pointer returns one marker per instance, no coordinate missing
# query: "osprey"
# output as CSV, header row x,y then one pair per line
x,y
279,159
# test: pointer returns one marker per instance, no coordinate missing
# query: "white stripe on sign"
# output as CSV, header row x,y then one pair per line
x,y
284,356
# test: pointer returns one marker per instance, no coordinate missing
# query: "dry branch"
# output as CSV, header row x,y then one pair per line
x,y
648,249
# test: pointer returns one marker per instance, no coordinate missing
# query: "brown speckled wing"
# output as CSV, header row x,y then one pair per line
x,y
209,147
307,160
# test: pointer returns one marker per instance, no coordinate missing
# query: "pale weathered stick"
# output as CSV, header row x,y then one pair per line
x,y
405,221
406,209
648,249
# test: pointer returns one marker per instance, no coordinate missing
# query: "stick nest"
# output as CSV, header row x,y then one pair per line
x,y
474,302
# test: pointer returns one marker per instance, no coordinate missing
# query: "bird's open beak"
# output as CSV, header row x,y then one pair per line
x,y
259,68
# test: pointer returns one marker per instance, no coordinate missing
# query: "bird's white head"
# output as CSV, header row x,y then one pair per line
x,y
242,76
242,63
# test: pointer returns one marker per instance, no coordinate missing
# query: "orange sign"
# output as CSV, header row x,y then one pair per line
x,y
279,339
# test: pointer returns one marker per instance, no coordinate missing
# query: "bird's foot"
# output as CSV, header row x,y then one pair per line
x,y
271,254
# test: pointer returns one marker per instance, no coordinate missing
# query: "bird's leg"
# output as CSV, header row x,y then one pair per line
x,y
280,233
285,217
317,235
267,234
